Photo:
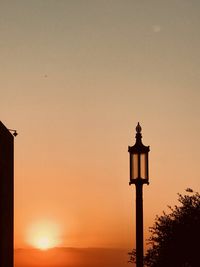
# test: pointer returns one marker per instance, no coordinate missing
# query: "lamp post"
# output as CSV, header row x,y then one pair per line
x,y
139,175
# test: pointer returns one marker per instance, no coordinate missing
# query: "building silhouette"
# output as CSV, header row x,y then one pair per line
x,y
6,196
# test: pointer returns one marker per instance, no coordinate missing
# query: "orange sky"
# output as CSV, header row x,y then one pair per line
x,y
76,77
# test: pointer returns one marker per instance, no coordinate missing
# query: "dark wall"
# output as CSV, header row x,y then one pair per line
x,y
6,197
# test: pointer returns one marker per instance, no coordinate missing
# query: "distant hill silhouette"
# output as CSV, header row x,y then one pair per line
x,y
71,257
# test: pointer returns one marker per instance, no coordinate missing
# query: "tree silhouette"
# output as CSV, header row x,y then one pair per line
x,y
175,237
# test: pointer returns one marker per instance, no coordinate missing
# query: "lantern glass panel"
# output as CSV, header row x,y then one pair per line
x,y
135,166
143,166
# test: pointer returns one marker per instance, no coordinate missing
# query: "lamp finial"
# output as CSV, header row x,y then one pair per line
x,y
138,128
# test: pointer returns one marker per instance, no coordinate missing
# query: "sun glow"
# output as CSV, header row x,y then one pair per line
x,y
43,235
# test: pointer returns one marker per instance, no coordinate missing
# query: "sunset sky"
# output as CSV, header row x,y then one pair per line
x,y
75,78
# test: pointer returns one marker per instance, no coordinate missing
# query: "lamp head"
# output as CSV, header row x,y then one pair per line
x,y
138,160
15,133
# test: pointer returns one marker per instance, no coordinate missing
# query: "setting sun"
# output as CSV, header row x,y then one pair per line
x,y
43,235
44,243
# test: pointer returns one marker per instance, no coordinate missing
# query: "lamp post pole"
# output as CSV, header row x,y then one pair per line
x,y
139,225
139,175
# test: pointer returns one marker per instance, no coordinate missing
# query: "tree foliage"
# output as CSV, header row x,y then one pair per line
x,y
175,237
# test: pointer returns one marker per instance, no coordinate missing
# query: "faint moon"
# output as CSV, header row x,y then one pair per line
x,y
156,28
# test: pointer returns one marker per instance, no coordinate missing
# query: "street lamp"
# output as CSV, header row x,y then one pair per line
x,y
139,175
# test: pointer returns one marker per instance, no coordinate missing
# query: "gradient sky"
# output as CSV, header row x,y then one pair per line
x,y
75,78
